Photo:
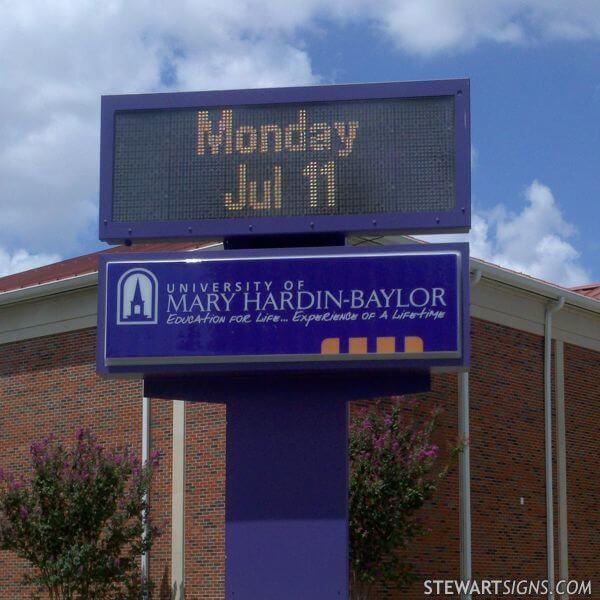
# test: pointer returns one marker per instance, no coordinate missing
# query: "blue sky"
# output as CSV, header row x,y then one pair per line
x,y
535,92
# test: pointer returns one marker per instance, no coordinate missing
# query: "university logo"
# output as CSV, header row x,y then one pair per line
x,y
137,298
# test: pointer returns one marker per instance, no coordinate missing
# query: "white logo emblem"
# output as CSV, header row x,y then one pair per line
x,y
137,298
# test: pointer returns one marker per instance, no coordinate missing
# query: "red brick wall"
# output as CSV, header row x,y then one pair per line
x,y
507,453
582,416
49,385
205,501
507,463
161,439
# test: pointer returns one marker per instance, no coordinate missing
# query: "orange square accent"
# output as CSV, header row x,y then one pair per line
x,y
357,345
330,346
413,344
386,345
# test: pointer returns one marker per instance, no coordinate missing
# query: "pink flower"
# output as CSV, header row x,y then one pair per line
x,y
24,513
429,452
154,457
14,485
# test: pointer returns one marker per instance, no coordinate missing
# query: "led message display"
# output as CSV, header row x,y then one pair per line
x,y
321,159
250,162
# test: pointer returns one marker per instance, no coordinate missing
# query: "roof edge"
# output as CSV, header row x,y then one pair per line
x,y
535,286
51,288
488,271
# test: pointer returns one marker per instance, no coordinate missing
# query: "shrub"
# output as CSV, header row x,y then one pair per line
x,y
393,472
80,520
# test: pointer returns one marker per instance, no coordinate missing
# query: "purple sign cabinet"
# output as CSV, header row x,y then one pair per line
x,y
287,323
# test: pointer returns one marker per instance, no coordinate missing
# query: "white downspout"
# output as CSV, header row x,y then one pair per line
x,y
464,469
550,310
464,480
145,458
561,465
178,502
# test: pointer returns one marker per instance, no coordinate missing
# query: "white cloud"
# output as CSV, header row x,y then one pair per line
x,y
21,260
474,157
59,56
535,241
431,26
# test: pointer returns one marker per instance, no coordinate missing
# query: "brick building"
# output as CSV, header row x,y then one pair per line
x,y
48,384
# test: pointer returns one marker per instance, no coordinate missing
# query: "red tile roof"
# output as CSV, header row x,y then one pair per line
x,y
88,263
81,265
591,290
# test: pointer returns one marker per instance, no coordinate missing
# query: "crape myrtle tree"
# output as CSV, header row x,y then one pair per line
x,y
80,519
394,470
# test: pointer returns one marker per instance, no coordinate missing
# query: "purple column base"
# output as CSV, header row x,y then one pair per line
x,y
286,508
286,502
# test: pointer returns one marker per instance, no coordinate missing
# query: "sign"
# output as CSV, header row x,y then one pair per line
x,y
385,157
322,307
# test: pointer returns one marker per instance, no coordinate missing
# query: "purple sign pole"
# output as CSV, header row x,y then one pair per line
x,y
286,500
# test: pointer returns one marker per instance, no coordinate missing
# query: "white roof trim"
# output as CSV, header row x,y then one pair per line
x,y
70,284
535,286
488,271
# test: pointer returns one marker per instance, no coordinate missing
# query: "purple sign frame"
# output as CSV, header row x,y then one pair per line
x,y
456,220
234,337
